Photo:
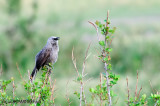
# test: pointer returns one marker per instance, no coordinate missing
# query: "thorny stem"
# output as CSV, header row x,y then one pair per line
x,y
67,98
107,83
53,91
100,89
104,54
128,90
81,93
20,73
139,92
136,86
13,89
105,66
1,70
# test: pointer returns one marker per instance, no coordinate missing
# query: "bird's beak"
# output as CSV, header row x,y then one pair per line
x,y
57,38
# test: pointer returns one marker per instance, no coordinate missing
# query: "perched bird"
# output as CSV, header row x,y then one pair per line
x,y
49,54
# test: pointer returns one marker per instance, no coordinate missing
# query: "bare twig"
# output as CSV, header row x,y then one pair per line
x,y
86,55
87,81
67,98
1,70
136,86
82,93
53,90
139,92
31,83
82,85
20,73
101,103
74,61
128,90
13,91
50,80
151,87
96,29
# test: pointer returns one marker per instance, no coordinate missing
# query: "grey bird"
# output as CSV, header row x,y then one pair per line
x,y
49,54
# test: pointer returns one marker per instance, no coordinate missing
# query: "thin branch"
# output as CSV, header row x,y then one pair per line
x,y
96,29
74,61
128,90
1,70
136,86
100,89
105,66
20,73
139,92
53,91
31,83
85,59
82,85
87,81
151,87
81,93
13,91
67,98
50,80
107,84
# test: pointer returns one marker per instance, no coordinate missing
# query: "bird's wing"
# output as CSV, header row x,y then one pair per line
x,y
42,57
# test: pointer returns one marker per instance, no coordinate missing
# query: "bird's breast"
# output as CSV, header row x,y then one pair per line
x,y
54,57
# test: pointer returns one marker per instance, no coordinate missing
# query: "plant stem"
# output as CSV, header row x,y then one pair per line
x,y
107,83
81,94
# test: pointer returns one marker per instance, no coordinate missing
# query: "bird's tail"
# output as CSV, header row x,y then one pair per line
x,y
33,74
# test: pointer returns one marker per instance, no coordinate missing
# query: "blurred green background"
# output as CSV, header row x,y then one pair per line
x,y
25,26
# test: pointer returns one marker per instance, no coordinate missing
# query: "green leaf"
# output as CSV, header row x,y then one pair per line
x,y
109,67
92,90
108,49
97,23
107,37
105,59
112,30
102,43
144,96
98,87
109,21
79,77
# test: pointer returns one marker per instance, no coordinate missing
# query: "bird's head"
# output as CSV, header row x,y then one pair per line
x,y
53,40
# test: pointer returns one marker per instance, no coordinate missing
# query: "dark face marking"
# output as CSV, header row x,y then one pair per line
x,y
57,38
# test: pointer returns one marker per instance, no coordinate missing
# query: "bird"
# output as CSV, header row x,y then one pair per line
x,y
48,54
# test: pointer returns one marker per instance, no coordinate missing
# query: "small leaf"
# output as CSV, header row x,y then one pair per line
x,y
112,30
102,43
107,37
144,96
105,59
79,77
97,23
108,49
92,90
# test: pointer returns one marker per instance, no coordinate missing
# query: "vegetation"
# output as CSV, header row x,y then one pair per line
x,y
26,25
